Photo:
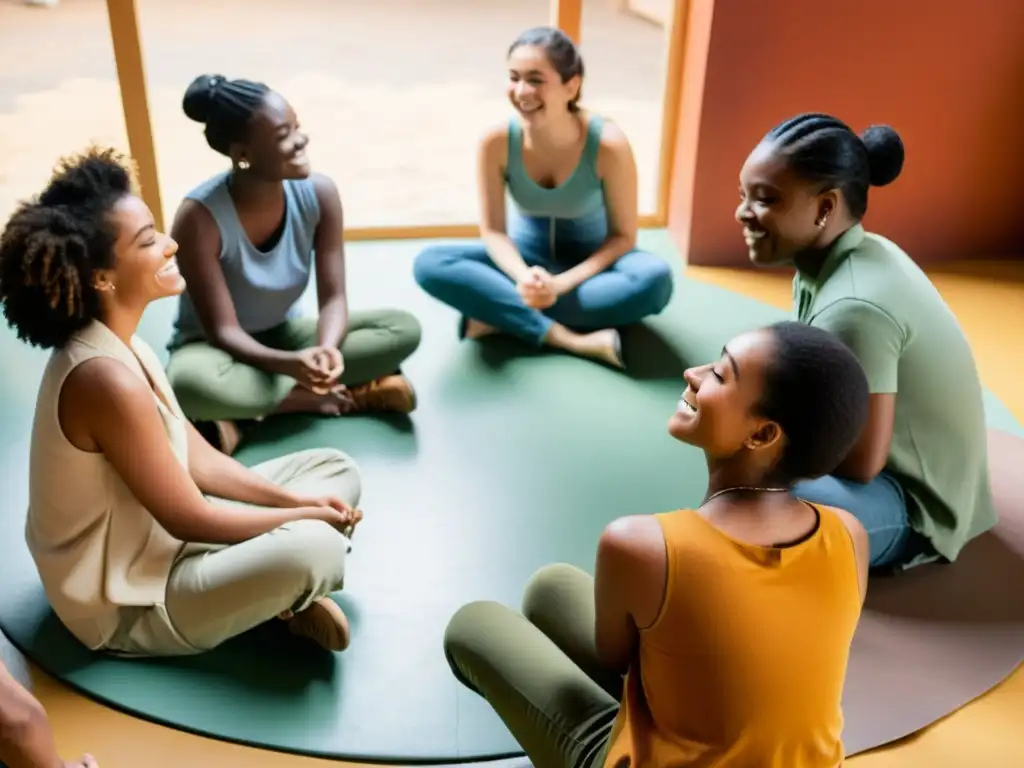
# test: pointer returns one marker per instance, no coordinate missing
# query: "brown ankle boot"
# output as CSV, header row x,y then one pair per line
x,y
392,394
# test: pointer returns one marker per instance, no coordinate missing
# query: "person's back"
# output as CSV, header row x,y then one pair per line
x,y
939,447
758,639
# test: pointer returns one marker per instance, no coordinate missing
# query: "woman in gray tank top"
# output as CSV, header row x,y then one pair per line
x,y
250,239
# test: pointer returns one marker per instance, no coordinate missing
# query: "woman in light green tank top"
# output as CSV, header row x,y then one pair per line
x,y
561,267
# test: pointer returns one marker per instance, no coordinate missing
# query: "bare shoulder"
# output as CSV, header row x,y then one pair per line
x,y
324,185
858,532
98,381
614,150
635,537
494,142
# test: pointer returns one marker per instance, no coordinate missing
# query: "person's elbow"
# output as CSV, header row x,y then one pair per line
x,y
866,461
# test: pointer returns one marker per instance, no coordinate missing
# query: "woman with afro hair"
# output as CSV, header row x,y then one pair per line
x,y
147,539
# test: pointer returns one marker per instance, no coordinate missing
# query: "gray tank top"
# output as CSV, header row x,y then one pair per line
x,y
265,286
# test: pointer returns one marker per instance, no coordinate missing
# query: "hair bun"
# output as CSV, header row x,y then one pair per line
x,y
199,97
885,154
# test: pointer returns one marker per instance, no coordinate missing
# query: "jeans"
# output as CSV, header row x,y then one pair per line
x,y
463,276
880,506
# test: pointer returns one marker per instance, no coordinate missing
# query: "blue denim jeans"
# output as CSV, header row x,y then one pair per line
x,y
463,276
880,506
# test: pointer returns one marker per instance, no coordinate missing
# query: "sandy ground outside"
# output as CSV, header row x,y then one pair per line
x,y
394,93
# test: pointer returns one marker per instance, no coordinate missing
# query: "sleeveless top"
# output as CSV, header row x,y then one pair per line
x,y
746,662
573,213
265,286
97,549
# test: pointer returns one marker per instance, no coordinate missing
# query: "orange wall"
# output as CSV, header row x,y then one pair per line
x,y
947,74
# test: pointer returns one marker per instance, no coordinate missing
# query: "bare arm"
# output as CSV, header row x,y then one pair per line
x,y
26,740
861,548
629,587
105,407
217,474
869,455
617,169
330,265
199,262
491,189
877,340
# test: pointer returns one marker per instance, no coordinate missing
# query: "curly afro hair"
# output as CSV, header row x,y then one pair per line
x,y
53,243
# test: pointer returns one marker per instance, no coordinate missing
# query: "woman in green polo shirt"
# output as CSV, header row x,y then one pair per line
x,y
918,477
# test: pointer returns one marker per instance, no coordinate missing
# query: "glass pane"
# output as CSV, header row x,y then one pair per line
x,y
58,92
623,43
394,94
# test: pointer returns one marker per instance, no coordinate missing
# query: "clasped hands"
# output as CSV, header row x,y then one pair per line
x,y
539,289
331,510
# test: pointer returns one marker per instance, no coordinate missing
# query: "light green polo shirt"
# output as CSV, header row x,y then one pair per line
x,y
883,306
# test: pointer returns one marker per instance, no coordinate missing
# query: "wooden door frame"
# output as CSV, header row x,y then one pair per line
x,y
565,14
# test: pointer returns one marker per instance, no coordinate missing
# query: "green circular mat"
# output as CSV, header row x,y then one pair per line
x,y
513,460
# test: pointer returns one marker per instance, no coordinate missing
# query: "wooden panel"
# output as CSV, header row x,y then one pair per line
x,y
131,77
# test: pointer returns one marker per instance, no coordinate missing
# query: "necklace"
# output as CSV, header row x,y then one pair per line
x,y
744,488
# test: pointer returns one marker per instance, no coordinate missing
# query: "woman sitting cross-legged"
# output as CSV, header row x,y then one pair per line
x,y
563,270
148,540
251,238
711,636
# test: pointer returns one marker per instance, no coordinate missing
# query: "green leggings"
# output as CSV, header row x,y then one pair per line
x,y
211,385
539,669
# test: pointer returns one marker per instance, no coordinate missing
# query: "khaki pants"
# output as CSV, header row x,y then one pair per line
x,y
216,592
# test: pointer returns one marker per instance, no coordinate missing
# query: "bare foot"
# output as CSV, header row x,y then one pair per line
x,y
302,400
230,436
604,346
477,330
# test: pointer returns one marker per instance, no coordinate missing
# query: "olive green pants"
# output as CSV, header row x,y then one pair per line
x,y
216,592
539,669
211,385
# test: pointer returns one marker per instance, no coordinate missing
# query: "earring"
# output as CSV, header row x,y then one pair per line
x,y
822,222
243,164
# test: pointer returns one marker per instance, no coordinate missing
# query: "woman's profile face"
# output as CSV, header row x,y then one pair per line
x,y
276,146
717,411
144,265
779,211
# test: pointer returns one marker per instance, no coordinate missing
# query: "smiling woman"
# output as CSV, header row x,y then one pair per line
x,y
134,557
563,269
251,238
651,662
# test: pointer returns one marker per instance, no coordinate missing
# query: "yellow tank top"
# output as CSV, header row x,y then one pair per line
x,y
745,663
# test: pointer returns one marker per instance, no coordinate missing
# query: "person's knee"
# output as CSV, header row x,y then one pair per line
x,y
314,553
656,282
429,266
547,589
466,638
409,331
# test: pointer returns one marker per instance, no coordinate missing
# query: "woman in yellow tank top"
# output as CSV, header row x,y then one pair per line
x,y
715,636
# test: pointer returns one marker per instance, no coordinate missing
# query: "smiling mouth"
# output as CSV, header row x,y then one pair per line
x,y
171,268
529,108
685,406
753,236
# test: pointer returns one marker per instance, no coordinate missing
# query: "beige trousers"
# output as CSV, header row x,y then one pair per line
x,y
216,592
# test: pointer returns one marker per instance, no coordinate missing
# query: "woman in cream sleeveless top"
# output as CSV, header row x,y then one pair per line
x,y
147,540
710,636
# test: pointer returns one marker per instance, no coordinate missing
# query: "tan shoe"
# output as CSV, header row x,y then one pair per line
x,y
324,623
393,394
